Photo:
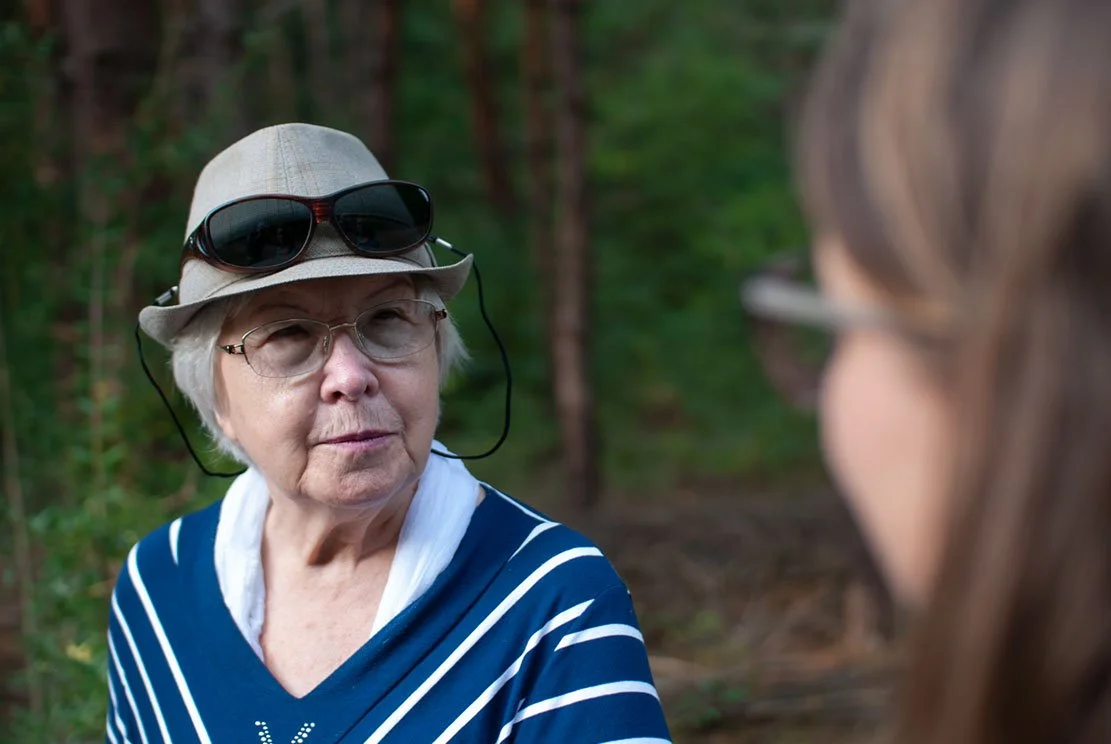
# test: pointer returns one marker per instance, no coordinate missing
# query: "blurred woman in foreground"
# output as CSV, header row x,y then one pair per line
x,y
956,159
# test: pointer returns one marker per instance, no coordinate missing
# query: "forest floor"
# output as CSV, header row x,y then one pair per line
x,y
760,611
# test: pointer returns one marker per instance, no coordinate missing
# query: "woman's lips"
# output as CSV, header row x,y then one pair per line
x,y
362,440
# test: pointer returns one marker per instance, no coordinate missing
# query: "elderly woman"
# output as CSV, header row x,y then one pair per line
x,y
956,156
352,585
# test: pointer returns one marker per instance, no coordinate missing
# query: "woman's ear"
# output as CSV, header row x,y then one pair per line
x,y
222,420
225,425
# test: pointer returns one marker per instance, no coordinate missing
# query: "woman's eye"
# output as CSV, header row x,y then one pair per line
x,y
388,314
288,333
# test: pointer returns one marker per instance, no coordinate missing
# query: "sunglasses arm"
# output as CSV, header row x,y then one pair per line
x,y
166,297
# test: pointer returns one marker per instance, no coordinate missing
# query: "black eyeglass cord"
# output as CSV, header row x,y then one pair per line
x,y
177,422
501,352
485,317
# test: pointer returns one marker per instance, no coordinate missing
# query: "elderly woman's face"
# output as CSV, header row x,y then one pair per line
x,y
355,433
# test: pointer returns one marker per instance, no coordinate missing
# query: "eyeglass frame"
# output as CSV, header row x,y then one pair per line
x,y
779,299
769,294
322,208
770,297
438,314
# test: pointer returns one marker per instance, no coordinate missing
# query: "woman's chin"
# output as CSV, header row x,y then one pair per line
x,y
359,489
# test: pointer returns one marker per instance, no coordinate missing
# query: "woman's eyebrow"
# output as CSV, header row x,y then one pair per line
x,y
282,304
290,301
391,286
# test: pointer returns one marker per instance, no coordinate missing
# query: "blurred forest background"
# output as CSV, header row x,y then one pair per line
x,y
616,167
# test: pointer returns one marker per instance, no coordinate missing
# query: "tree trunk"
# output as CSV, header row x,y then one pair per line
x,y
281,80
536,65
51,112
570,338
40,15
27,619
470,16
321,70
221,31
113,50
373,59
113,47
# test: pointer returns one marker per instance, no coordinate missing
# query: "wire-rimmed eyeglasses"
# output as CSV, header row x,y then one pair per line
x,y
300,346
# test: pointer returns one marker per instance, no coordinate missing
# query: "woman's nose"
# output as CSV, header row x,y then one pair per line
x,y
348,372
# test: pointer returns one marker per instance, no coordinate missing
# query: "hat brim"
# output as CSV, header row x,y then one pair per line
x,y
163,324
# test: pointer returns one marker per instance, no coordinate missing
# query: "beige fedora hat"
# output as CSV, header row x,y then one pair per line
x,y
299,160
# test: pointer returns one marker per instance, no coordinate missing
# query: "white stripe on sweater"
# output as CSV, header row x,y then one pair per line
x,y
142,674
126,688
538,529
601,631
108,728
476,635
175,531
520,506
578,696
488,694
113,698
167,649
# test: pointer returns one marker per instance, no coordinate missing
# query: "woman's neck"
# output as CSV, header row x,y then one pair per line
x,y
300,532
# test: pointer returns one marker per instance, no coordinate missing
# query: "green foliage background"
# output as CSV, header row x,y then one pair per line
x,y
690,189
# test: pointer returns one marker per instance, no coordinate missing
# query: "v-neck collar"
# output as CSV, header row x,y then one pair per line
x,y
392,653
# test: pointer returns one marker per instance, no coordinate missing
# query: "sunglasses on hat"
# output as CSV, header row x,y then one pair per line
x,y
258,234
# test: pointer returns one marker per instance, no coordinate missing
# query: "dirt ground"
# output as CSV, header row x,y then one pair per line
x,y
764,619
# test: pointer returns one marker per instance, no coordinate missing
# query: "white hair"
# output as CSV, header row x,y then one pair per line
x,y
193,358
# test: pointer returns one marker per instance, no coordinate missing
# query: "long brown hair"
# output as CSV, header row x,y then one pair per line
x,y
961,152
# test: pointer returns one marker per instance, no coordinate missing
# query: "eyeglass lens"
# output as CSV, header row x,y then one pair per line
x,y
794,356
389,331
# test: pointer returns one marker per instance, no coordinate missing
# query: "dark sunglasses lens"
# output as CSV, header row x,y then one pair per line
x,y
384,217
260,233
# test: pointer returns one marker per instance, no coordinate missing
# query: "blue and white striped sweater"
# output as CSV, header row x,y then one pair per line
x,y
528,635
